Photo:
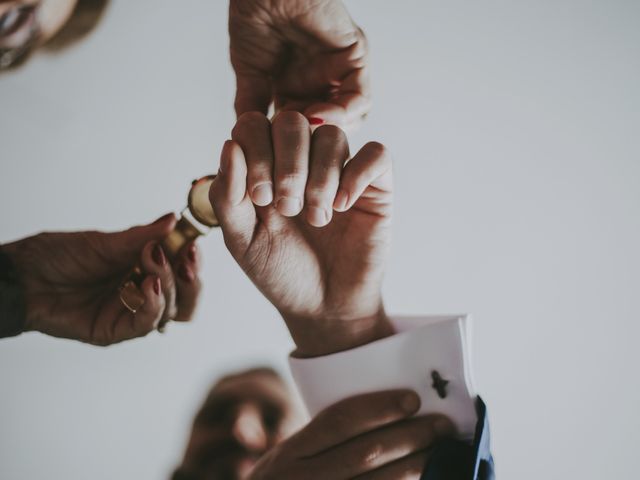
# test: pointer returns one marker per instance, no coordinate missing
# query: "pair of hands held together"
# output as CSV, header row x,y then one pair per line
x,y
298,56
307,222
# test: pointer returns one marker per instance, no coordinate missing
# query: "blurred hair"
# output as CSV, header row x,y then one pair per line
x,y
84,19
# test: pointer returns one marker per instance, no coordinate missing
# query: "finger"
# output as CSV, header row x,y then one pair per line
x,y
115,323
253,134
291,138
186,266
253,93
407,468
347,105
231,203
369,168
154,262
149,316
375,449
123,248
354,416
329,152
248,427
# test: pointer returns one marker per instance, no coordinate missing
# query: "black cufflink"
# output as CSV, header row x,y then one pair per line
x,y
439,384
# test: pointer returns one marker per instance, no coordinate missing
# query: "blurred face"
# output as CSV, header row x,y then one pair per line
x,y
27,24
243,417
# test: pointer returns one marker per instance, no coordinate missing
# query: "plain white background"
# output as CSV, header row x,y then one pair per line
x,y
515,129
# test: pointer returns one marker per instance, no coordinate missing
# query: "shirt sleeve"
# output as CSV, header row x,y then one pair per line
x,y
429,355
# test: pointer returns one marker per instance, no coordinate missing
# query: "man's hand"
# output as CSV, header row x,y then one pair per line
x,y
307,56
244,415
369,437
275,196
71,282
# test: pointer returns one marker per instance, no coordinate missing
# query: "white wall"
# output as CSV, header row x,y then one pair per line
x,y
515,128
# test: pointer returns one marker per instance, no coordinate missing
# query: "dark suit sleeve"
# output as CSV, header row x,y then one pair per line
x,y
12,302
457,460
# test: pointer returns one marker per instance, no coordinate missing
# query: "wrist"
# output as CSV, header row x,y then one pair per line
x,y
315,338
23,256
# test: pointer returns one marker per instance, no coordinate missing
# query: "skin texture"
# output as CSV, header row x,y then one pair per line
x,y
368,437
244,415
71,282
323,272
307,56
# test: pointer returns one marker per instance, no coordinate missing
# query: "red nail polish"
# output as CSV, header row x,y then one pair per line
x,y
156,286
157,254
185,273
315,121
191,253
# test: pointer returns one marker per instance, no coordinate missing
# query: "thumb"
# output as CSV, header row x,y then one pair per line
x,y
124,247
230,199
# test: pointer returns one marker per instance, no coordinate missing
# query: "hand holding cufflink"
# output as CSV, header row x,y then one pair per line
x,y
70,282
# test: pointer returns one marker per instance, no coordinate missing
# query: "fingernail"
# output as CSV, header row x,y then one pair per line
x,y
289,206
263,194
341,201
318,217
185,273
443,426
410,403
156,286
315,121
157,254
163,218
191,253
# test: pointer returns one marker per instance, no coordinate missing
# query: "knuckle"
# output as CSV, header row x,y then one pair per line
x,y
292,177
317,195
377,150
248,124
290,119
259,172
371,454
250,119
329,133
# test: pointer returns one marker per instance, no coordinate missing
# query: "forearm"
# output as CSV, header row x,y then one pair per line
x,y
12,299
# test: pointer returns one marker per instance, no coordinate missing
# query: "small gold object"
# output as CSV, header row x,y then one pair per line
x,y
195,220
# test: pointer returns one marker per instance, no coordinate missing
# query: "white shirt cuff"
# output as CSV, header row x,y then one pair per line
x,y
423,349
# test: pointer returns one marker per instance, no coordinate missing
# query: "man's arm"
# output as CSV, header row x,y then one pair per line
x,y
407,360
317,248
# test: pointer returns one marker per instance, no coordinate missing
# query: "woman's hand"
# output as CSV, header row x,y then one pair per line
x,y
311,231
304,56
71,281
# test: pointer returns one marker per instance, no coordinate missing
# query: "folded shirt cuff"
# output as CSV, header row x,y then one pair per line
x,y
428,354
